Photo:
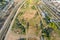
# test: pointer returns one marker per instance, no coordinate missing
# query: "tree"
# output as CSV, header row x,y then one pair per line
x,y
27,25
1,0
53,25
47,31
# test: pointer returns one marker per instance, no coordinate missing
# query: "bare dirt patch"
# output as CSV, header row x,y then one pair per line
x,y
29,14
13,36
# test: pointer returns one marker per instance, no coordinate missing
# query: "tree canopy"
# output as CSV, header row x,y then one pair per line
x,y
1,0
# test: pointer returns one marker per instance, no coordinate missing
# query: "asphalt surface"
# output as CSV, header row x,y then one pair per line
x,y
4,16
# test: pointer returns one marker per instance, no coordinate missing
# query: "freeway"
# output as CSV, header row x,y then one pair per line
x,y
8,6
4,14
49,10
5,27
51,14
3,5
5,9
54,16
53,9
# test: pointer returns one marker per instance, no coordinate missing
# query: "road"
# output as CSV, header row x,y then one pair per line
x,y
5,9
5,13
49,12
46,10
54,15
5,27
53,9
